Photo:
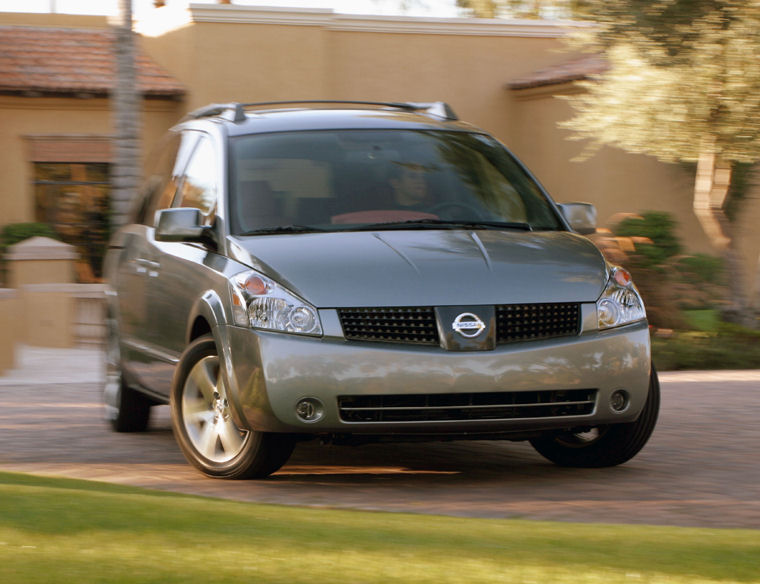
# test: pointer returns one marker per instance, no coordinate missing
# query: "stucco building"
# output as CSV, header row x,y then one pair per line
x,y
500,75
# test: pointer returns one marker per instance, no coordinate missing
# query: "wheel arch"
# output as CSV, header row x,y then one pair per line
x,y
206,315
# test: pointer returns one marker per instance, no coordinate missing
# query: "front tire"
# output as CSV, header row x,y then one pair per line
x,y
205,429
602,446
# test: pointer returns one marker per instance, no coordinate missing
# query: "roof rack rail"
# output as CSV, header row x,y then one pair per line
x,y
436,108
217,109
439,109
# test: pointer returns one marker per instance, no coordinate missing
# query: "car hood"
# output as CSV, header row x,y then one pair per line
x,y
428,267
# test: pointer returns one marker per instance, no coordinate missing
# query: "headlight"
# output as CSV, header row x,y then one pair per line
x,y
620,302
260,302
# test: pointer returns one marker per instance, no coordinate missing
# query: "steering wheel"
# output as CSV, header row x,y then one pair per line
x,y
469,212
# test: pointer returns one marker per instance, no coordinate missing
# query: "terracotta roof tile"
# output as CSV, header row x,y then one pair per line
x,y
574,70
58,60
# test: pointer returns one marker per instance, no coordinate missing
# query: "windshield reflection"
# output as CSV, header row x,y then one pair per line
x,y
380,179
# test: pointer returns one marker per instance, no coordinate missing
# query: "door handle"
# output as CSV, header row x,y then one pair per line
x,y
149,266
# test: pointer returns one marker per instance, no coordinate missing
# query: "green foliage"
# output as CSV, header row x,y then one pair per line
x,y
563,9
649,265
705,319
657,226
480,8
728,347
17,232
684,78
700,269
669,282
741,177
57,530
663,28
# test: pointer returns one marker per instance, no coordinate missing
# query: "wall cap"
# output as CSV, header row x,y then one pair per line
x,y
8,294
41,248
327,18
72,289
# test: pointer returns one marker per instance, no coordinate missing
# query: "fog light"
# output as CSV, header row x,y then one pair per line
x,y
619,400
310,409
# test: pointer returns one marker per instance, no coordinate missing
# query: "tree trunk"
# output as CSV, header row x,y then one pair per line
x,y
710,193
125,108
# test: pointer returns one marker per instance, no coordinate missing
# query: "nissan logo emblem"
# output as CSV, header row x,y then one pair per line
x,y
468,325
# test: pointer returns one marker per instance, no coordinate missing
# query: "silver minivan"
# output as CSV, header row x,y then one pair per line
x,y
361,271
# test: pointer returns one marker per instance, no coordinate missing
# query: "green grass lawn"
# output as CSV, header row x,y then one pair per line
x,y
702,320
57,530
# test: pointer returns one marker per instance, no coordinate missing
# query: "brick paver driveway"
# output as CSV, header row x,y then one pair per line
x,y
701,466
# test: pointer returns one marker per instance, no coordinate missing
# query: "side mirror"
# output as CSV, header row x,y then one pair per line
x,y
580,216
182,224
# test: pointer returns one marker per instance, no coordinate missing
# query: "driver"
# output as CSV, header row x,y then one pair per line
x,y
409,186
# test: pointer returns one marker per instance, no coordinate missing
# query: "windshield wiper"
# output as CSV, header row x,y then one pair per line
x,y
446,224
284,229
391,225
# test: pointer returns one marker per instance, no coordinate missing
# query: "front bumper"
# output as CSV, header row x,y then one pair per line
x,y
268,373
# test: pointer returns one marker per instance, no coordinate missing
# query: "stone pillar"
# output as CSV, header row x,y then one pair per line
x,y
40,260
42,269
48,315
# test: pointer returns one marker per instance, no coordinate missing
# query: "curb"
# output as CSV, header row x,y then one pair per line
x,y
44,366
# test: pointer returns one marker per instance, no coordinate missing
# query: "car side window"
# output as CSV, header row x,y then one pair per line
x,y
163,176
199,187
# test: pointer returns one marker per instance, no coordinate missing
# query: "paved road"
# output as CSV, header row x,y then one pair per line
x,y
700,468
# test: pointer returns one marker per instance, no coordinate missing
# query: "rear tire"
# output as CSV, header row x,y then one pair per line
x,y
602,446
205,429
126,410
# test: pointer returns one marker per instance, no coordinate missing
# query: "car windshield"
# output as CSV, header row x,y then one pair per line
x,y
380,179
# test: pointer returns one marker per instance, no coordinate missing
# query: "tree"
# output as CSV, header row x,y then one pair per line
x,y
480,8
683,84
525,8
125,108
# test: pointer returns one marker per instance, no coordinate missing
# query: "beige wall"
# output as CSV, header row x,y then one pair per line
x,y
48,316
257,57
259,62
748,237
469,72
243,62
22,273
53,20
615,181
9,328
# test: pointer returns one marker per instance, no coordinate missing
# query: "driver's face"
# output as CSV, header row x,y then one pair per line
x,y
410,187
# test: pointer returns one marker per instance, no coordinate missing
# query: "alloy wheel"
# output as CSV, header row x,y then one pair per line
x,y
206,414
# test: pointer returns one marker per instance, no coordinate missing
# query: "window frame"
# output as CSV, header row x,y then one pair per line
x,y
47,210
199,138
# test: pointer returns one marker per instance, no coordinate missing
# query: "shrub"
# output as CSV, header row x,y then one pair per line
x,y
730,347
660,229
700,281
701,269
668,282
651,242
17,232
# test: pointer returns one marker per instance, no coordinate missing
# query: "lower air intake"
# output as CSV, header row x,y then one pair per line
x,y
467,406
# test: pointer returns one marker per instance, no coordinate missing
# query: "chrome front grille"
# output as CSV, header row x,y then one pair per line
x,y
528,322
444,407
